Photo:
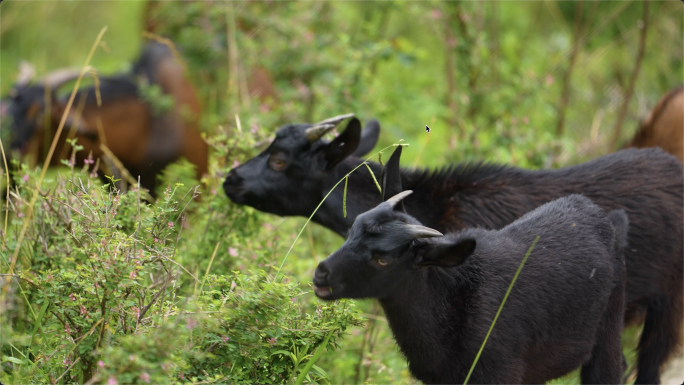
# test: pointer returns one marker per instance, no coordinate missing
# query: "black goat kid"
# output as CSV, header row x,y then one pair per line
x,y
441,294
646,183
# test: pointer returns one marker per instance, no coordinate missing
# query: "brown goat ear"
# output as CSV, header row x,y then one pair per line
x,y
345,144
391,179
448,255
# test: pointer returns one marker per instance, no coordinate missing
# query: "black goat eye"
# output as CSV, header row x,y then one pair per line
x,y
382,262
277,163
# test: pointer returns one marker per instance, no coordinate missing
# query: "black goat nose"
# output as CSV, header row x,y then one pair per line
x,y
322,271
232,178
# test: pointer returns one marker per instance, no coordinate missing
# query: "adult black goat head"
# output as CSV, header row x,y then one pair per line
x,y
290,177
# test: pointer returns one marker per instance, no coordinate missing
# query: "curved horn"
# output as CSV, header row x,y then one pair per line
x,y
321,128
418,231
335,120
317,131
58,78
27,72
393,201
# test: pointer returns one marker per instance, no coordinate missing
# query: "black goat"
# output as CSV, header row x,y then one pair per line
x,y
646,183
440,295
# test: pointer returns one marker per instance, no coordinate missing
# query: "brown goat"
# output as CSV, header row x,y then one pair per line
x,y
664,126
124,122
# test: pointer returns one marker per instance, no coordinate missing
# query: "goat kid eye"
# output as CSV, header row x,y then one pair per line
x,y
381,262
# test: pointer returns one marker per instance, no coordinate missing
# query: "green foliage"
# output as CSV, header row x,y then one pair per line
x,y
153,95
104,297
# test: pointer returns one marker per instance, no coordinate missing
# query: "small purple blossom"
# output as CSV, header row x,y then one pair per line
x,y
233,252
225,339
170,224
254,129
25,178
190,323
145,377
236,163
72,296
549,80
272,341
112,381
133,274
100,364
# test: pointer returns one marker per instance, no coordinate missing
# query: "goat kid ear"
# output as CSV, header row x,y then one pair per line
x,y
449,254
344,145
391,179
369,138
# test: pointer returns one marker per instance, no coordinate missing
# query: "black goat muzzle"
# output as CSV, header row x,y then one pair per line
x,y
233,187
320,280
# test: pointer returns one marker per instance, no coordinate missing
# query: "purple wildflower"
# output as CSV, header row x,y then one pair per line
x,y
145,377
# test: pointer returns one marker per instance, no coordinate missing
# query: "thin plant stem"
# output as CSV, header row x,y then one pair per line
x,y
4,159
326,197
477,357
209,267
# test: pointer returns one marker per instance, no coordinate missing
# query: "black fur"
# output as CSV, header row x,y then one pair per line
x,y
564,311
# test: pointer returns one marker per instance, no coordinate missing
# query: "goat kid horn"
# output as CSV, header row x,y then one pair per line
x,y
418,231
393,201
321,128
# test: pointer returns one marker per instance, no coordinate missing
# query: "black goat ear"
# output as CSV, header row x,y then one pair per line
x,y
391,179
448,255
369,137
344,145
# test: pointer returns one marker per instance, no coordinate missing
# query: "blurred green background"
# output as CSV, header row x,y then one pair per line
x,y
488,77
536,84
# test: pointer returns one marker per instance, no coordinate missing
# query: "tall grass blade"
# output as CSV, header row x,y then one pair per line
x,y
48,158
477,357
36,327
312,361
4,160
